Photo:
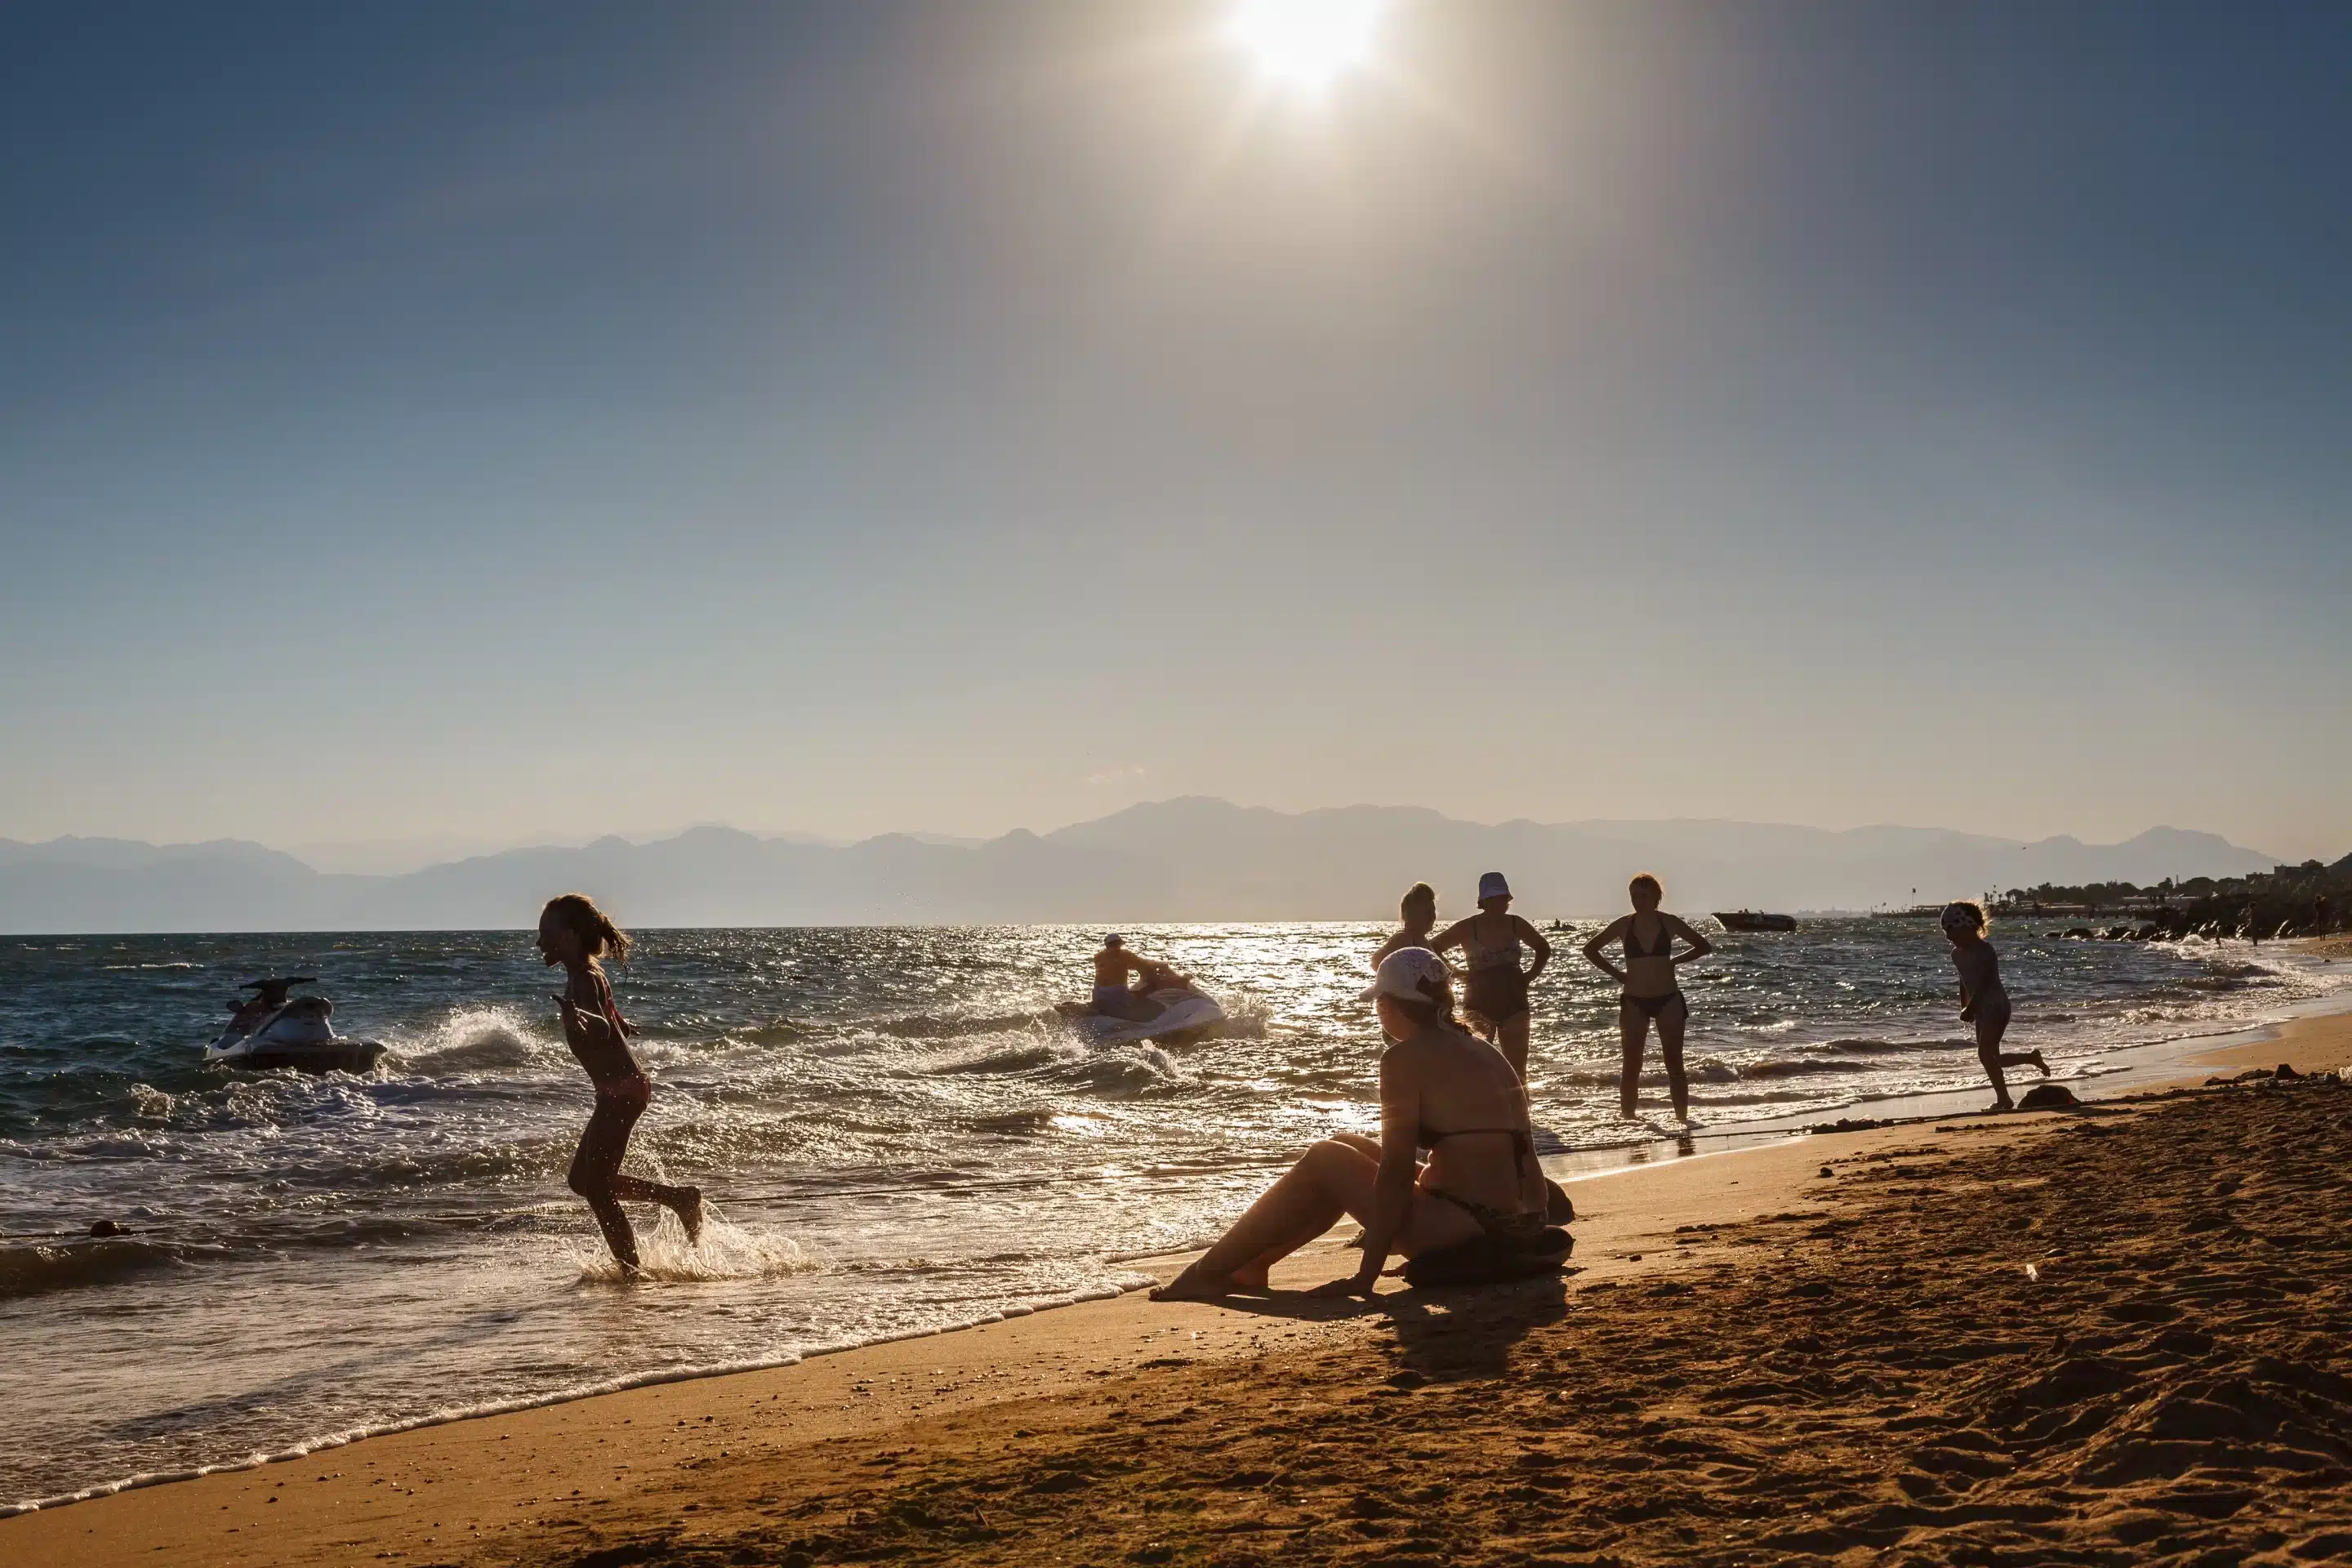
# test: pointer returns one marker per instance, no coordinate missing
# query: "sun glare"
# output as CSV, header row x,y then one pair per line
x,y
1305,43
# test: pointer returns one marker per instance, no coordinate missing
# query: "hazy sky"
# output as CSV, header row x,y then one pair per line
x,y
482,419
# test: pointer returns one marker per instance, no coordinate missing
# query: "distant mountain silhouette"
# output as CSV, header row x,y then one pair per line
x,y
1194,858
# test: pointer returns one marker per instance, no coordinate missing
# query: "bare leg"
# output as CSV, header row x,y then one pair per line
x,y
1634,1024
1991,1024
596,1167
596,1177
684,1202
1511,1040
1331,1179
1673,1020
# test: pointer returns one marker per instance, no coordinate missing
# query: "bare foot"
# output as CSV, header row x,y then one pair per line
x,y
2036,1059
688,1210
2003,1104
1192,1286
1251,1277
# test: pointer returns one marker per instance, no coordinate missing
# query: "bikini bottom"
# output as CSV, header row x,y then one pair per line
x,y
1513,1247
1499,994
1652,1006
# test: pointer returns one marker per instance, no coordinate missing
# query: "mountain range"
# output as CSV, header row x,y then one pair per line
x,y
1194,858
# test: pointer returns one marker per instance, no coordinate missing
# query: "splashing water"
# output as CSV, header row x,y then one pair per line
x,y
902,1131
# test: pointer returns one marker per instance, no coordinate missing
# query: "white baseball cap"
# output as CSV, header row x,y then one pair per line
x,y
1492,886
1414,973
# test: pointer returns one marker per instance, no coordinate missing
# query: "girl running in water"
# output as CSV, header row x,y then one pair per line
x,y
1653,994
573,933
1984,1002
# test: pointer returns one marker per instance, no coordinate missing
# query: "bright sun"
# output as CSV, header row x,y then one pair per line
x,y
1305,43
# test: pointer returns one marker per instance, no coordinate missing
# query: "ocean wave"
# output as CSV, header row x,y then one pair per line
x,y
38,1271
475,1040
727,1251
937,1026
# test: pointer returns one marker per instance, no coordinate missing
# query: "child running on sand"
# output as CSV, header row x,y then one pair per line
x,y
575,933
1983,1001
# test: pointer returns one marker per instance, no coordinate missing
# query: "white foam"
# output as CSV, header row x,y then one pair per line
x,y
444,1415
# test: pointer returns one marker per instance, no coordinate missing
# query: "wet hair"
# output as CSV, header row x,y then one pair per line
x,y
1643,879
598,935
1419,893
1963,915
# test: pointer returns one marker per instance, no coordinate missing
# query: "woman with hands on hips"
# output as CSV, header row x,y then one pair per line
x,y
1653,994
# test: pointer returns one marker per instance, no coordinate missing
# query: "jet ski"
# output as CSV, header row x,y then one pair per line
x,y
1178,1015
273,1030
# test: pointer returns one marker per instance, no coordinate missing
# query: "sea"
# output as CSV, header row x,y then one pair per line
x,y
897,1133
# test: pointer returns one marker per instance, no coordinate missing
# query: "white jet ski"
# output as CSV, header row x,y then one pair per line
x,y
1184,1016
272,1030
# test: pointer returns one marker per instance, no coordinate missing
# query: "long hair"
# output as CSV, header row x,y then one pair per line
x,y
598,935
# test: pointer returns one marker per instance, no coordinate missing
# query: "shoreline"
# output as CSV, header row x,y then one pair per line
x,y
520,1479
2176,1061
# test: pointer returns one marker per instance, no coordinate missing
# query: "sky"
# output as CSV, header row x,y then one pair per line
x,y
474,423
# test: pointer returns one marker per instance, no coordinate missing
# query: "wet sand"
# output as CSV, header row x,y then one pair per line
x,y
1756,1362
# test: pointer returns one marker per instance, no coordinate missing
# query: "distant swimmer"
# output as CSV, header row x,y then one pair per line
x,y
1494,993
1653,994
1113,964
1984,1001
573,933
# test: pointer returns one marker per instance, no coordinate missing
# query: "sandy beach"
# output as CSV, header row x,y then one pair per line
x,y
2110,1338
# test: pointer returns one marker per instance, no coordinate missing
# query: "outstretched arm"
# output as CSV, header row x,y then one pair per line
x,y
1614,931
1392,1187
1699,946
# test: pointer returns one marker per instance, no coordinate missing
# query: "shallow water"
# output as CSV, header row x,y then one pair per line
x,y
897,1131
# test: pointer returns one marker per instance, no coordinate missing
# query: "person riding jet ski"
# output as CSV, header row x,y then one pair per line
x,y
272,1029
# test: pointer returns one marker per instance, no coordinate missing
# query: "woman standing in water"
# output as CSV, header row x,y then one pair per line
x,y
1984,1002
1495,990
575,933
1653,994
1417,912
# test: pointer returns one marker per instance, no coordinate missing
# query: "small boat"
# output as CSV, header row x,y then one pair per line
x,y
273,1030
1754,919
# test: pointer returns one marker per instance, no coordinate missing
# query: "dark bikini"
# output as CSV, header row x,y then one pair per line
x,y
1651,1006
1519,1230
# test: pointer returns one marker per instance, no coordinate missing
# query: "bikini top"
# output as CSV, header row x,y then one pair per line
x,y
1485,954
1634,948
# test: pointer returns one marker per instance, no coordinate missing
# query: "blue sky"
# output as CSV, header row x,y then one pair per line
x,y
481,421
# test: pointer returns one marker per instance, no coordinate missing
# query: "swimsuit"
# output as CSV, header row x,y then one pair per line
x,y
1496,988
1651,1006
1517,1229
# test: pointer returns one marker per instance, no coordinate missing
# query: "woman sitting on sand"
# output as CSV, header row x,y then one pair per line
x,y
1653,992
575,933
1495,992
1482,1191
1984,1002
